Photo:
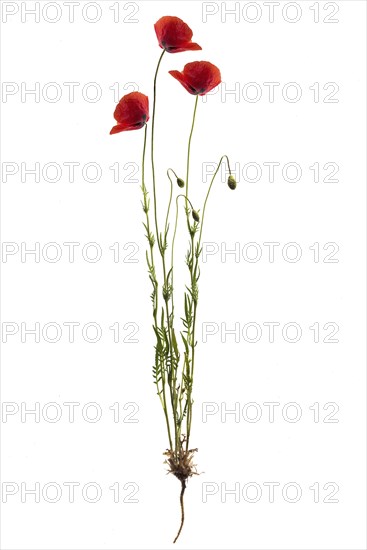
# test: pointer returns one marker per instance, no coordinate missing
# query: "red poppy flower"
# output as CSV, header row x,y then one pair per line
x,y
198,77
174,35
131,113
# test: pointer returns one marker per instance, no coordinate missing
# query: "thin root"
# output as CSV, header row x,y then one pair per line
x,y
181,466
183,487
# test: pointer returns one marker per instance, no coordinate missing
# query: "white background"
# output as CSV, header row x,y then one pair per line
x,y
232,450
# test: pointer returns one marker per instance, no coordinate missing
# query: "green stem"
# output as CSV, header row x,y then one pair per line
x,y
174,236
180,396
188,158
170,198
152,148
193,282
175,231
207,196
162,244
197,256
152,272
174,392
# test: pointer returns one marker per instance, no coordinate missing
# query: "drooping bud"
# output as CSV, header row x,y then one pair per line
x,y
232,184
180,182
196,216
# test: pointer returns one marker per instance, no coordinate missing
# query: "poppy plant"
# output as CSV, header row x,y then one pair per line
x,y
174,35
174,338
131,113
198,77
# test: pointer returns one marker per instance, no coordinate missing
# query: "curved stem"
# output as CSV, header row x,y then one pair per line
x,y
170,199
152,148
194,278
208,193
188,156
175,229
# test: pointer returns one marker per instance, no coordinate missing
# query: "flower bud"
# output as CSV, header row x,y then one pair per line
x,y
232,183
180,182
196,216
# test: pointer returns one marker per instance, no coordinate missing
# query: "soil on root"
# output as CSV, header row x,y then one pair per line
x,y
181,466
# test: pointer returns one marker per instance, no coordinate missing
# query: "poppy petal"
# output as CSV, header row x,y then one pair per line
x,y
198,77
182,80
131,112
116,129
174,35
189,46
